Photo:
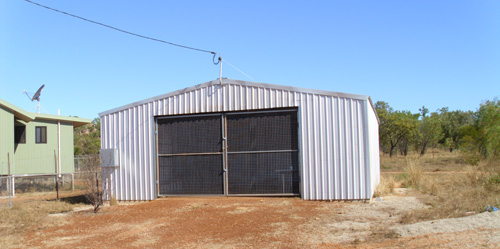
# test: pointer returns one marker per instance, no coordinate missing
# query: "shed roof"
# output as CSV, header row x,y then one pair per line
x,y
226,81
25,116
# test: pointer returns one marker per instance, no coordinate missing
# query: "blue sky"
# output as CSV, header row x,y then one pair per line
x,y
407,53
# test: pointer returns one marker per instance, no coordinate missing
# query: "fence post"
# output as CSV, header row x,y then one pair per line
x,y
13,186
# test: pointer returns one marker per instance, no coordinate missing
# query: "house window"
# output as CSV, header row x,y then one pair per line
x,y
41,134
20,134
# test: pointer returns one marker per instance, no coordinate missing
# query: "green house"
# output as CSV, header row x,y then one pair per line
x,y
36,143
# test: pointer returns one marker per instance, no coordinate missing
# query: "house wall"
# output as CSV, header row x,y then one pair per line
x,y
6,139
33,158
335,153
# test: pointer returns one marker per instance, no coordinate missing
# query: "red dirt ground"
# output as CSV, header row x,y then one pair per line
x,y
234,223
185,222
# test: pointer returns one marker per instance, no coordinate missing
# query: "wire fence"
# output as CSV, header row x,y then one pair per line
x,y
28,187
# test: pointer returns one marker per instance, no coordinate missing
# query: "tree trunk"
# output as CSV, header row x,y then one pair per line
x,y
392,149
423,148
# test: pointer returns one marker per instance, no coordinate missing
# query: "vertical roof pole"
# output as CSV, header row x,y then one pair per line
x,y
220,71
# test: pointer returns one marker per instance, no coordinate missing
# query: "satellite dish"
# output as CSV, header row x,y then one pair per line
x,y
37,94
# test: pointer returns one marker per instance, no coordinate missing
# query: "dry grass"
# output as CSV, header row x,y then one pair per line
x,y
413,171
386,186
25,215
113,201
458,192
429,185
434,161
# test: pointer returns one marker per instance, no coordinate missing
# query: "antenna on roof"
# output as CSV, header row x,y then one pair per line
x,y
36,96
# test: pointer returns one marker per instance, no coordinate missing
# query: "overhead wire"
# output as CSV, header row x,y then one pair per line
x,y
239,70
121,30
143,36
218,61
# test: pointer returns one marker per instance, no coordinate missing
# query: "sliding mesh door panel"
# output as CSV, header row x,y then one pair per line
x,y
263,153
189,135
191,175
190,157
262,131
263,173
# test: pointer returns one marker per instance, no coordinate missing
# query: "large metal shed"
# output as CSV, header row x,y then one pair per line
x,y
239,138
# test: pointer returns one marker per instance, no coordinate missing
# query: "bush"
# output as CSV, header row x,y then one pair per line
x,y
471,158
91,178
414,171
385,187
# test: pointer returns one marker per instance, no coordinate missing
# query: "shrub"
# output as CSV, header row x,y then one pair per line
x,y
385,187
414,171
91,176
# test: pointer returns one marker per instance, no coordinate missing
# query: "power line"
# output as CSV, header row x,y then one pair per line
x,y
239,70
121,30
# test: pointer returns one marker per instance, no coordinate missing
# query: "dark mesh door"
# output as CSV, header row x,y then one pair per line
x,y
189,135
263,153
263,173
191,175
190,155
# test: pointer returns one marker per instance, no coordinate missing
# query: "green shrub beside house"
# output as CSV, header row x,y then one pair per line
x,y
31,140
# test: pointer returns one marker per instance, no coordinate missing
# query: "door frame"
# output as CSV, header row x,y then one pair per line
x,y
224,147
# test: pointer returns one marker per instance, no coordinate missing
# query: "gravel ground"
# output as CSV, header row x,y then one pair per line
x,y
353,222
476,222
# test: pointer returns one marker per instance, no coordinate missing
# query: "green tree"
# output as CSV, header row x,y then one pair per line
x,y
429,133
452,124
87,138
395,126
403,130
383,111
482,137
488,127
423,111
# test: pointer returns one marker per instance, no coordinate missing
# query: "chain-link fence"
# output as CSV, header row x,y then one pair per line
x,y
16,188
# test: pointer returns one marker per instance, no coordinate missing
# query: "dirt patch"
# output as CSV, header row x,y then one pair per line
x,y
246,222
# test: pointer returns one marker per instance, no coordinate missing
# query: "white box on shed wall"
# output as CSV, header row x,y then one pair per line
x,y
109,158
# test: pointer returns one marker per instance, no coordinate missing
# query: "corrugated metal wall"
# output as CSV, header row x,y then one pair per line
x,y
373,144
337,152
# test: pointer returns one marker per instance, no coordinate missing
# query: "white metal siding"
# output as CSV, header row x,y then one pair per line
x,y
374,156
338,138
